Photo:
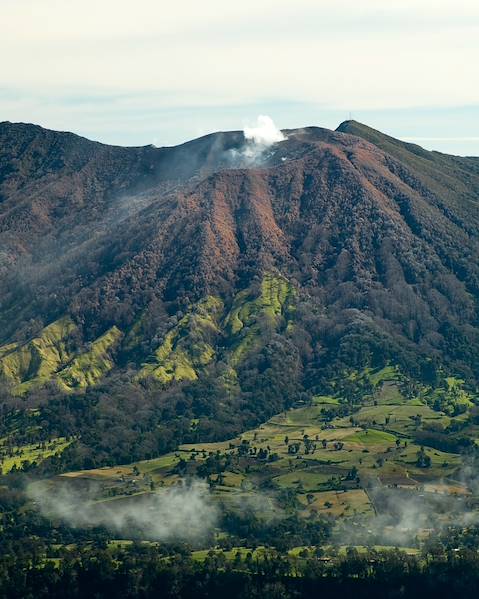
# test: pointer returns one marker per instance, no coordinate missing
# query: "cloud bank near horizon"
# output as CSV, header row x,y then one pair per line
x,y
352,55
115,66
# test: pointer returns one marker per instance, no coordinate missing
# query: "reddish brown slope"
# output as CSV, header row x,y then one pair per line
x,y
359,229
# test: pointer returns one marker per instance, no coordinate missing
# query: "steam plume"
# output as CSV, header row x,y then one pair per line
x,y
259,140
265,133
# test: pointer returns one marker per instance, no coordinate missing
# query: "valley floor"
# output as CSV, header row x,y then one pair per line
x,y
361,475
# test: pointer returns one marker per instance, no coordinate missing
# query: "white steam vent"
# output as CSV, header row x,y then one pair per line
x,y
259,140
265,133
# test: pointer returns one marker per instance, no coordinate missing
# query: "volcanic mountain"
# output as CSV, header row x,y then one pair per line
x,y
266,271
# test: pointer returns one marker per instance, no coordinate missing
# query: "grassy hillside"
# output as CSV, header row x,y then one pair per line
x,y
27,456
36,361
90,367
205,333
189,346
252,313
51,358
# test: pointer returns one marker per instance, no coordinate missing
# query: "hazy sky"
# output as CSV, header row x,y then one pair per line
x,y
134,72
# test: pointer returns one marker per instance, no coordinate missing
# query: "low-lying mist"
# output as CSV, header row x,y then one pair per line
x,y
184,512
405,516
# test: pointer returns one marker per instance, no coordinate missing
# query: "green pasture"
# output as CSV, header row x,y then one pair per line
x,y
31,453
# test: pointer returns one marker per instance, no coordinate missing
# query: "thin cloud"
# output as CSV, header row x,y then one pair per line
x,y
342,56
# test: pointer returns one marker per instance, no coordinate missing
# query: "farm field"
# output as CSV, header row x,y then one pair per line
x,y
312,461
18,456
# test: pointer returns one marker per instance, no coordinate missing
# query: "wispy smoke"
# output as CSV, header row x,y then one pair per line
x,y
259,140
183,512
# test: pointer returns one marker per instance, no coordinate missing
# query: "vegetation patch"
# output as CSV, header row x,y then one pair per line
x,y
371,437
88,368
338,503
25,457
254,313
188,347
36,362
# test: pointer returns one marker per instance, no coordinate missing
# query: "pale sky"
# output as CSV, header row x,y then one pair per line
x,y
134,72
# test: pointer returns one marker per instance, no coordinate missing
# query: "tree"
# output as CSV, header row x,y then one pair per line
x,y
423,460
352,474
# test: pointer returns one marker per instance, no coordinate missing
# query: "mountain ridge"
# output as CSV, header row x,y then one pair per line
x,y
379,237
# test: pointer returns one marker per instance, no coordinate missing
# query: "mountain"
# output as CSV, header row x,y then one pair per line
x,y
232,270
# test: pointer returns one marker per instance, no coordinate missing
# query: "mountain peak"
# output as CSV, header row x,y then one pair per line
x,y
352,127
348,125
